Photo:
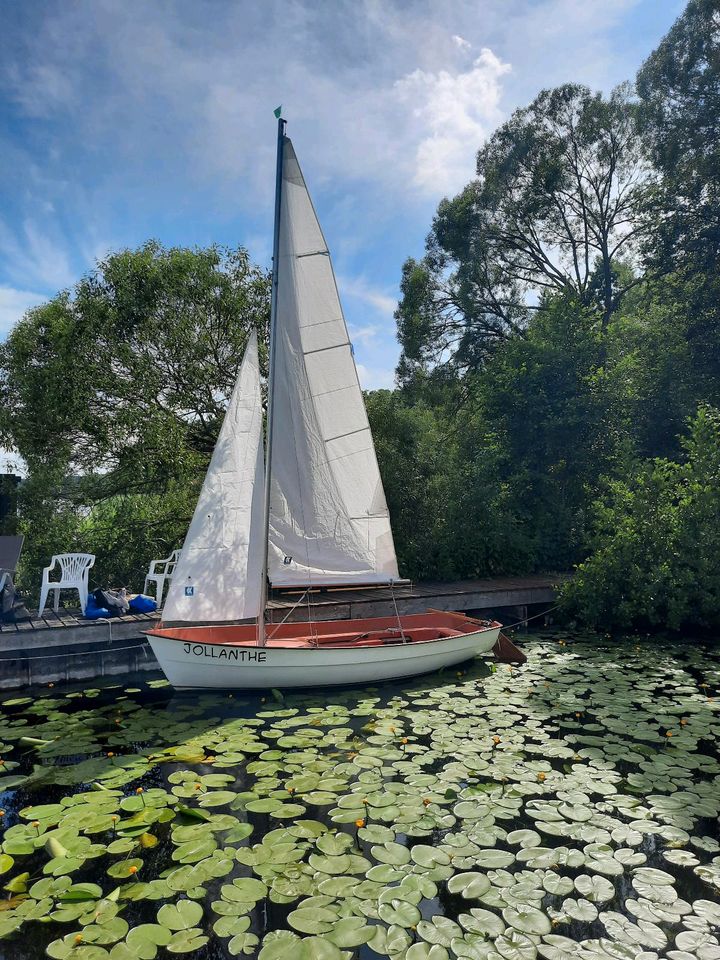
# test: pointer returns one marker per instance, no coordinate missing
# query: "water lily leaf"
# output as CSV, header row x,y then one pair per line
x,y
429,857
401,913
426,951
470,885
250,889
515,946
350,932
392,853
145,939
527,920
440,930
334,844
594,889
243,943
231,926
112,930
182,915
581,910
68,948
482,922
124,869
187,941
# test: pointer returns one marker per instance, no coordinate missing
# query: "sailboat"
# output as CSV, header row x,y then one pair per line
x,y
307,511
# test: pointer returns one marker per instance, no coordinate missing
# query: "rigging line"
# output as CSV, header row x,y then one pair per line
x,y
293,607
397,613
535,616
143,645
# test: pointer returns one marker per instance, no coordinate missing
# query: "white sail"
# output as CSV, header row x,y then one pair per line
x,y
218,575
329,522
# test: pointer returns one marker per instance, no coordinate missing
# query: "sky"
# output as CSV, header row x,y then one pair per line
x,y
124,120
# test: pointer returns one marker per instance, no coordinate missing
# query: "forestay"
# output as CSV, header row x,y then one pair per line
x,y
329,521
218,574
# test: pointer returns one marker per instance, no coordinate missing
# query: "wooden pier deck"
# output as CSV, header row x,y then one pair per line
x,y
65,647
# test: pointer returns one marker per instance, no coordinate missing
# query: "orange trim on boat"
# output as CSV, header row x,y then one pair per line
x,y
368,632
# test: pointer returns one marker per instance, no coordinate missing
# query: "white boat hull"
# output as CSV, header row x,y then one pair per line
x,y
189,665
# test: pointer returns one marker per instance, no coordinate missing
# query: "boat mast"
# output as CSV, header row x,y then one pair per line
x,y
271,376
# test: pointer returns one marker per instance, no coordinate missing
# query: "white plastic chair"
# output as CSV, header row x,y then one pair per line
x,y
74,569
160,573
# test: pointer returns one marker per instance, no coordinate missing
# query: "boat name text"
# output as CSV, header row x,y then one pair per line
x,y
246,656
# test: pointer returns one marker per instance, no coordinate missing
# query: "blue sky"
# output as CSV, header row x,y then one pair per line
x,y
122,120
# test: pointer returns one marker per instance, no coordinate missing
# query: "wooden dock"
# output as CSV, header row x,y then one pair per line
x,y
65,647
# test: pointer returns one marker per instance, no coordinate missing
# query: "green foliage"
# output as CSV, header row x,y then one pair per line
x,y
679,90
656,541
114,395
559,200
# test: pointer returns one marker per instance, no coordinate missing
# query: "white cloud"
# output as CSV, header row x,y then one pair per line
x,y
358,288
461,42
33,254
13,304
458,110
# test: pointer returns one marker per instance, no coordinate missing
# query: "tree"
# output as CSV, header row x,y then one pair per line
x,y
655,557
115,392
540,421
679,90
558,205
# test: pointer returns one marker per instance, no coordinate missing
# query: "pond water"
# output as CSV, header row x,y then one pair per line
x,y
564,809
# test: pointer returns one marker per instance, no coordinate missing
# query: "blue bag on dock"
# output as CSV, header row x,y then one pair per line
x,y
143,604
93,611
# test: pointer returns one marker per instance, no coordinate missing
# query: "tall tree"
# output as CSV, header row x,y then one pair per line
x,y
557,206
679,89
115,392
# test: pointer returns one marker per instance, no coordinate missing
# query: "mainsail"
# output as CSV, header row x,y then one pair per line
x,y
329,521
218,575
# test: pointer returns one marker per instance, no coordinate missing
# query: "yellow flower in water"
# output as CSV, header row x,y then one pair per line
x,y
426,802
139,790
668,733
496,740
78,938
541,777
132,869
359,823
198,786
404,740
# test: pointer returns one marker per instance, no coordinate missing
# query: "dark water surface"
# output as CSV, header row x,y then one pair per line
x,y
566,808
